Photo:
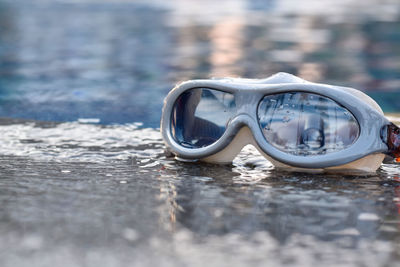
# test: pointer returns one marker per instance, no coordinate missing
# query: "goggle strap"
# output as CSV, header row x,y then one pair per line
x,y
393,141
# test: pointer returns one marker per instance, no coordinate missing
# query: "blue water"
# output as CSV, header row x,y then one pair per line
x,y
85,179
64,60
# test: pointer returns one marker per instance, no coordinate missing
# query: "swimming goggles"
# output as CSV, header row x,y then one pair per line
x,y
292,121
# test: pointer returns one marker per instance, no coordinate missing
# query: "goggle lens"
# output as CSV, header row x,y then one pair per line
x,y
302,123
200,115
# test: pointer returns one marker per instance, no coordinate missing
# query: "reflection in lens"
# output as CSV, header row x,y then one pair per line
x,y
306,124
200,115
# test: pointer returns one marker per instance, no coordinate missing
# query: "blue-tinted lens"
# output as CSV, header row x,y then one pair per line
x,y
306,124
199,116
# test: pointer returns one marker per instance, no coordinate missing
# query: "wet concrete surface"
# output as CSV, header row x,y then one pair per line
x,y
93,200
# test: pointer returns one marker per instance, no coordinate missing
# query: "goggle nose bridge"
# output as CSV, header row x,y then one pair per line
x,y
243,119
243,137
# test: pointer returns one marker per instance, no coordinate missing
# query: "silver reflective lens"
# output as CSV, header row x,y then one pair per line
x,y
200,115
306,124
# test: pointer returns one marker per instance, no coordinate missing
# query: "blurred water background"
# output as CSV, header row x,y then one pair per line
x,y
85,181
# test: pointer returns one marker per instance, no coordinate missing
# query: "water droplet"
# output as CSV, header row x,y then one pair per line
x,y
368,217
32,242
130,234
89,120
286,119
218,213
